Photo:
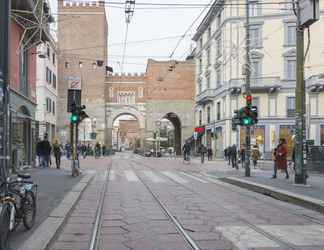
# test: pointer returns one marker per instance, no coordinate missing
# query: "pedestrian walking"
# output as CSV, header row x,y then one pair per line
x,y
45,151
57,153
38,152
225,153
209,153
255,155
104,149
242,155
186,149
202,151
280,155
68,150
97,150
233,156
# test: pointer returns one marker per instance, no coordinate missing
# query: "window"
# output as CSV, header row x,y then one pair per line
x,y
80,64
208,82
199,87
290,69
256,68
256,102
54,81
272,106
48,105
218,111
219,47
322,134
255,37
208,57
49,76
290,34
111,92
218,77
200,65
66,65
254,8
209,32
208,114
54,58
313,105
24,71
48,53
53,107
140,92
290,106
219,19
200,118
201,43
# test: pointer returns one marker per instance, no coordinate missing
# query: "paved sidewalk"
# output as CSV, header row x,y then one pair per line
x,y
53,185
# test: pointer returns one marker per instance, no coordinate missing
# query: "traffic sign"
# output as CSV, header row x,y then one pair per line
x,y
74,82
195,135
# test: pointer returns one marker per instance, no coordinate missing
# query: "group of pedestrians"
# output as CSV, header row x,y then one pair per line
x,y
202,150
232,155
44,150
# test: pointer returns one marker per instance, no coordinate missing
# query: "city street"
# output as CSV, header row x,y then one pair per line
x,y
148,203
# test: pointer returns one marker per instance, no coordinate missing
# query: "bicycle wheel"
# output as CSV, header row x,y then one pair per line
x,y
4,226
29,209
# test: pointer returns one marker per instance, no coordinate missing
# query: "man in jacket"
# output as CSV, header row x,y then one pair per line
x,y
45,151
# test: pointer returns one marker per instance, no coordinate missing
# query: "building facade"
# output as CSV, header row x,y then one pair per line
x,y
23,56
82,47
220,56
165,91
46,90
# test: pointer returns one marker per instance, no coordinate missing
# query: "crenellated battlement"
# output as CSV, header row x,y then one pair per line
x,y
82,3
126,77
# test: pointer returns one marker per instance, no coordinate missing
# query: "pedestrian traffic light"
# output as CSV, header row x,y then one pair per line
x,y
248,115
74,118
235,120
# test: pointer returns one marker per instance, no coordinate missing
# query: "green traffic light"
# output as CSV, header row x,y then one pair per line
x,y
247,121
74,118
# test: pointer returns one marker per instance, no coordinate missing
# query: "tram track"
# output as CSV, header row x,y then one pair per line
x,y
269,236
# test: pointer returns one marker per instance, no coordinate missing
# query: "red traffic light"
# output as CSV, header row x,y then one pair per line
x,y
249,98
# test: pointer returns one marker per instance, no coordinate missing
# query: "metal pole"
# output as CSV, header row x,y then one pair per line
x,y
247,90
300,147
4,86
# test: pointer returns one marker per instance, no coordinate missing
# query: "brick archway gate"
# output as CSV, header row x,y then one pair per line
x,y
113,114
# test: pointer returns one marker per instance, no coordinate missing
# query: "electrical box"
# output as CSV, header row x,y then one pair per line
x,y
309,12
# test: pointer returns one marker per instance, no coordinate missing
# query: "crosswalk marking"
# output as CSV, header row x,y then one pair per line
x,y
130,175
194,177
174,177
153,177
112,175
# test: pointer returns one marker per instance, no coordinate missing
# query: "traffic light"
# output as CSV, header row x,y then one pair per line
x,y
235,120
248,115
78,114
249,100
254,114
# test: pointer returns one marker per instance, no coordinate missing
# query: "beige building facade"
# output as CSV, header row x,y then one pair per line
x,y
82,53
220,57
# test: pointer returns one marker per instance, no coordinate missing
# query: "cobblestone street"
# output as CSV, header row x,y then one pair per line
x,y
150,203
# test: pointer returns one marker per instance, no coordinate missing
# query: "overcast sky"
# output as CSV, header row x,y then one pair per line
x,y
145,25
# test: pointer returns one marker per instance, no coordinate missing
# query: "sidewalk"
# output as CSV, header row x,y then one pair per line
x,y
53,185
310,196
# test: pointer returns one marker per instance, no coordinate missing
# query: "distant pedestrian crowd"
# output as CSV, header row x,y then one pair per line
x,y
44,151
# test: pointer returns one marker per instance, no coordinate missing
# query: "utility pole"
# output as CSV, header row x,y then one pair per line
x,y
300,147
247,89
5,6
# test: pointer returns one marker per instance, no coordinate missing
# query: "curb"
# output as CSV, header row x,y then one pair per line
x,y
282,195
47,230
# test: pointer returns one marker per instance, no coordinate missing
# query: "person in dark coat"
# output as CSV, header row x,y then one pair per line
x,y
233,156
186,151
203,151
242,155
57,153
45,151
209,153
280,155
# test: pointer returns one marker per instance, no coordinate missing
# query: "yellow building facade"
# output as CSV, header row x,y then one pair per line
x,y
220,56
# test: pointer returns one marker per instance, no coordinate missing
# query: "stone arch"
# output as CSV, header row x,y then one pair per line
x,y
176,121
126,110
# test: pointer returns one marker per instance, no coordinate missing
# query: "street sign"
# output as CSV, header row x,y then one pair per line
x,y
195,135
74,82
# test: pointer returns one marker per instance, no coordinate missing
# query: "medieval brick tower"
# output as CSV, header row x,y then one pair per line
x,y
82,45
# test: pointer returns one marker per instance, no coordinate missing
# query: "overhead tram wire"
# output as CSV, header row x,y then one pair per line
x,y
189,28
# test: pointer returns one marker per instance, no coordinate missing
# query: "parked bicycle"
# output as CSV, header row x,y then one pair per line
x,y
17,204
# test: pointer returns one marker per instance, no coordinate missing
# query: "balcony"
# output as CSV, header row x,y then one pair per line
x,y
205,96
258,85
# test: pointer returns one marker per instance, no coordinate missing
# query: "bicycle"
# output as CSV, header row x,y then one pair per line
x,y
17,204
